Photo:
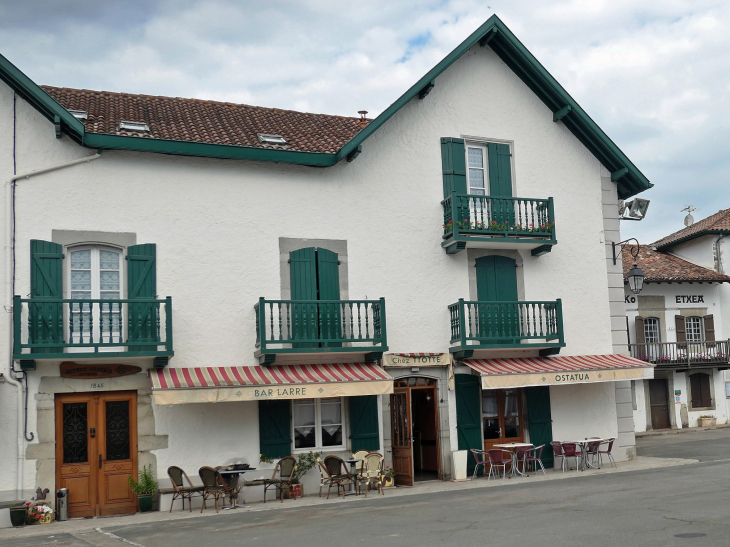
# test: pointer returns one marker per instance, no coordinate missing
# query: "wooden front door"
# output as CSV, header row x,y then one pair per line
x,y
402,439
96,450
502,416
659,403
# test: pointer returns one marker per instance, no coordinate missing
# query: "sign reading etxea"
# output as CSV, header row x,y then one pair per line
x,y
690,299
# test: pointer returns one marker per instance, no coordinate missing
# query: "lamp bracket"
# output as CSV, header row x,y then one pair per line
x,y
634,250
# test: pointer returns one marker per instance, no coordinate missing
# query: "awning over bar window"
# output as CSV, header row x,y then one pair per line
x,y
545,371
172,386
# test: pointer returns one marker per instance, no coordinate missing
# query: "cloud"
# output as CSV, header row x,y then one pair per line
x,y
652,74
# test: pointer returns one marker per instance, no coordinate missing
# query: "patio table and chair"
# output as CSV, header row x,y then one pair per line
x,y
587,452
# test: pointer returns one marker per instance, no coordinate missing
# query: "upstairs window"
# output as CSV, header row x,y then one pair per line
x,y
478,177
693,329
651,330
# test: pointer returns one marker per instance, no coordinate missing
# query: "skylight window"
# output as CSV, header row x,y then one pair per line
x,y
266,138
80,114
137,127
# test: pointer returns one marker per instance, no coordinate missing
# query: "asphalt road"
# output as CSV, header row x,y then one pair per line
x,y
678,506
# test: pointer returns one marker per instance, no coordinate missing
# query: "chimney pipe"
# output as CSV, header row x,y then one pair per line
x,y
363,119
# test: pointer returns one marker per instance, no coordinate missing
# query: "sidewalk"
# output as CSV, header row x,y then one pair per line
x,y
659,432
80,526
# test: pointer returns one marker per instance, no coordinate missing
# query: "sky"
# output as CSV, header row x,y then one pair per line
x,y
654,75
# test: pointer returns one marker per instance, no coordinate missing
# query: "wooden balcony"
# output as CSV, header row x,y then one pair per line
x,y
678,355
506,325
342,327
49,328
474,221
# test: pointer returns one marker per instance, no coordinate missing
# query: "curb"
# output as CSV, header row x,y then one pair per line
x,y
678,431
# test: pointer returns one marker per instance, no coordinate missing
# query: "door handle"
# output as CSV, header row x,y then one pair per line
x,y
99,461
92,432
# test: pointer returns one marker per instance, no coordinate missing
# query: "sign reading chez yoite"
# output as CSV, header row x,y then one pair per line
x,y
86,372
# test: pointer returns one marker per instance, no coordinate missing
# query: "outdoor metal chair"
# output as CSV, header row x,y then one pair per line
x,y
339,476
373,471
533,456
181,491
213,486
520,457
324,477
498,458
285,468
571,450
591,453
480,458
609,448
557,447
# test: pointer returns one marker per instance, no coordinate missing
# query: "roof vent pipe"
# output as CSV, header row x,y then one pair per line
x,y
363,119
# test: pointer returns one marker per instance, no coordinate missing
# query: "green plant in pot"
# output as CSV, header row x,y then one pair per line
x,y
144,488
305,462
19,513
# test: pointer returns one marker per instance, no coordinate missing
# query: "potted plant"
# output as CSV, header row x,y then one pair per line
x,y
39,513
707,420
388,477
305,462
144,488
19,514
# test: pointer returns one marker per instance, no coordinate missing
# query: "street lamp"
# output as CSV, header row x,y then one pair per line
x,y
635,276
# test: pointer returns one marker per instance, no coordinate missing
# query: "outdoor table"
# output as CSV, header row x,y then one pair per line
x,y
514,447
353,462
233,475
584,449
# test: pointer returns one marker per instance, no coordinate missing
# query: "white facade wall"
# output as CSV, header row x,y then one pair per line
x,y
217,225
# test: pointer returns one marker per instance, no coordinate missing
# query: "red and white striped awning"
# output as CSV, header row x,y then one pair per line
x,y
263,383
558,370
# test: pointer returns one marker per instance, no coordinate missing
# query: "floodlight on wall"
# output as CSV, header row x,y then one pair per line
x,y
633,210
635,277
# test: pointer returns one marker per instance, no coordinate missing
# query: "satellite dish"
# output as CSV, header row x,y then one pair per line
x,y
689,220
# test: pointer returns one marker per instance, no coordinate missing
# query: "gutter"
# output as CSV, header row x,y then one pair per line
x,y
9,290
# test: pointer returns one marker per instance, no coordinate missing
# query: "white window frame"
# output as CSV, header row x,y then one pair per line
x,y
95,289
485,152
700,321
318,428
655,321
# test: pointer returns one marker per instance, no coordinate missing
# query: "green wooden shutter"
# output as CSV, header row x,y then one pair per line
x,y
328,288
275,428
364,432
453,167
468,416
500,182
540,421
45,319
497,282
142,283
303,283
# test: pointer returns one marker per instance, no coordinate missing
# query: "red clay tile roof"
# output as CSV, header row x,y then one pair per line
x,y
663,267
720,221
195,120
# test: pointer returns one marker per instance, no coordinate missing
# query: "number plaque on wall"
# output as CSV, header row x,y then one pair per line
x,y
85,372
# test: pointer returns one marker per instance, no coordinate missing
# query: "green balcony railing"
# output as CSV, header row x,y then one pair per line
x,y
51,328
305,326
476,217
506,324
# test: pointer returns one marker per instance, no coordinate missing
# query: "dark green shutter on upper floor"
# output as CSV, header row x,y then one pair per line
x,y
453,167
364,431
46,282
142,283
275,428
468,416
328,288
500,182
497,282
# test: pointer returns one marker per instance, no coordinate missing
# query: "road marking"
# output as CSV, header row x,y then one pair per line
x,y
114,536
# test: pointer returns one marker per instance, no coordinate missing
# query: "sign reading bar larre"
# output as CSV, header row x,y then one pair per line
x,y
85,372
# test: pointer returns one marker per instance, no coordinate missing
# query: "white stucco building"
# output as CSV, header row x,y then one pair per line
x,y
237,262
678,323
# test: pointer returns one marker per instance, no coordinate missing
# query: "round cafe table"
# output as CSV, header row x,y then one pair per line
x,y
584,449
353,462
232,481
514,447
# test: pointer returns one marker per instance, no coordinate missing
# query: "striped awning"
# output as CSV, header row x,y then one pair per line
x,y
264,383
558,370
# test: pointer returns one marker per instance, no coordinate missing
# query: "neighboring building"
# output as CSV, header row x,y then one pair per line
x,y
281,237
677,324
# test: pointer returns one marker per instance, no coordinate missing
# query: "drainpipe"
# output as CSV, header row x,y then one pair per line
x,y
718,256
10,288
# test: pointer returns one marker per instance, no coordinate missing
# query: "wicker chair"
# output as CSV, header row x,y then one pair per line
x,y
285,468
373,471
338,474
324,476
360,455
213,486
181,491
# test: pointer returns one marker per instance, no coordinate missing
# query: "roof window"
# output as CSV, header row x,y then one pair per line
x,y
137,127
266,138
79,114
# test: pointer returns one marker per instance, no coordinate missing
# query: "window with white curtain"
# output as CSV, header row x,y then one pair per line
x,y
318,423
